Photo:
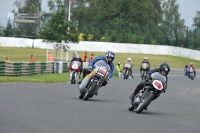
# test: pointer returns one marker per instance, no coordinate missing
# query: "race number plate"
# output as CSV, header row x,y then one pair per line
x,y
102,71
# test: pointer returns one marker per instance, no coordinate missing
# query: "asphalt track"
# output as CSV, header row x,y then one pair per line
x,y
55,108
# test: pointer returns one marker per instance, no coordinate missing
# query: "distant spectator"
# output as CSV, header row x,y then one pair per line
x,y
84,57
50,57
7,60
73,55
91,57
32,59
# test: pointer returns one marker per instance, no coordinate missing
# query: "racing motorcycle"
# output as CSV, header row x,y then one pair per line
x,y
93,81
145,67
151,89
186,70
74,68
126,73
191,73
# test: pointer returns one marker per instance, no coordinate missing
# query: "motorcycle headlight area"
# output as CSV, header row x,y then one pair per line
x,y
157,84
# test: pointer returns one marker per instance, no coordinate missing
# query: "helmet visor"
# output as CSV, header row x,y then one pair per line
x,y
110,59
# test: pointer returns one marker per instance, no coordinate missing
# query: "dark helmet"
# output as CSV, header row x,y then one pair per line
x,y
110,54
164,67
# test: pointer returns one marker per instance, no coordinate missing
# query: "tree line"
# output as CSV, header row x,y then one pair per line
x,y
124,21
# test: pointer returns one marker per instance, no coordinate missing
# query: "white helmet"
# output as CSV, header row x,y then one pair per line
x,y
145,59
118,63
77,56
129,60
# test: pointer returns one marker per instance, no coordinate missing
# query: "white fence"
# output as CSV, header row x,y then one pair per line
x,y
105,46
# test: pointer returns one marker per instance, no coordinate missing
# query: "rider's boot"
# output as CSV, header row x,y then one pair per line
x,y
131,97
82,95
96,93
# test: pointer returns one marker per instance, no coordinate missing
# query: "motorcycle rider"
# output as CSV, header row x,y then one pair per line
x,y
78,58
129,61
194,68
186,70
164,69
144,61
109,58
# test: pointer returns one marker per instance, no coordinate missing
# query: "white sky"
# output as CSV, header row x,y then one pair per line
x,y
187,9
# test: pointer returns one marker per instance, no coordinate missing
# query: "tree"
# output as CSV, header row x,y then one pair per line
x,y
54,6
30,7
56,30
119,15
172,24
196,19
9,30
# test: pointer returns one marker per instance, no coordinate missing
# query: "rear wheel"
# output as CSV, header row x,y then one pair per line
x,y
145,102
90,91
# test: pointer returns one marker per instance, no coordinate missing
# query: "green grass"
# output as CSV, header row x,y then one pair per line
x,y
41,78
23,55
16,54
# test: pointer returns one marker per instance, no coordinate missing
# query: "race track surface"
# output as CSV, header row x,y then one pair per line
x,y
56,108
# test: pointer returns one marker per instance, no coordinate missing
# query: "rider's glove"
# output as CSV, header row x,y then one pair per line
x,y
107,79
147,77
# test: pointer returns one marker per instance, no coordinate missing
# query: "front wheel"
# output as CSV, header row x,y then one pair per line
x,y
145,102
126,74
73,78
90,91
192,76
143,75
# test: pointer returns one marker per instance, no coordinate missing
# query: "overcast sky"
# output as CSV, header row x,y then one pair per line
x,y
187,9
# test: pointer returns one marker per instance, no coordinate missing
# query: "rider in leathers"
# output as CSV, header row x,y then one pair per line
x,y
163,69
129,61
78,58
110,56
144,61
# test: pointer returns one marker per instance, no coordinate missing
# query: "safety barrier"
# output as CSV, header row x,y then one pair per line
x,y
27,68
24,68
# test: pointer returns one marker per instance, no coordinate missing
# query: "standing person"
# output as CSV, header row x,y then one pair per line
x,y
91,57
7,60
32,59
84,57
73,55
50,57
119,67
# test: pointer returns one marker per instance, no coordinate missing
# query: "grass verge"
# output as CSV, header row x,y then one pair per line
x,y
16,54
37,78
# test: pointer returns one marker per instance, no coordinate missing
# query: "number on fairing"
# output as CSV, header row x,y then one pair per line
x,y
158,85
127,65
75,65
101,71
